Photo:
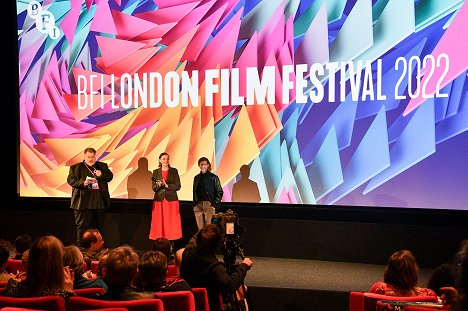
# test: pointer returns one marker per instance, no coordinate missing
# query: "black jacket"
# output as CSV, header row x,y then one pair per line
x,y
212,186
202,269
83,198
173,182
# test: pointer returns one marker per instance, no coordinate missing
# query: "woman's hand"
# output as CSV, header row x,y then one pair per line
x,y
69,278
19,275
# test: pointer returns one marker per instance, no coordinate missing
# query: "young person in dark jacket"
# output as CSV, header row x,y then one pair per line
x,y
119,273
153,274
207,193
201,268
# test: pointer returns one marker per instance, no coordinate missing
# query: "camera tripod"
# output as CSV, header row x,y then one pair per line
x,y
240,299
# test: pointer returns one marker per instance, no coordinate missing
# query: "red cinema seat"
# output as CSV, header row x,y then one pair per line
x,y
77,303
14,265
49,303
177,301
89,292
201,298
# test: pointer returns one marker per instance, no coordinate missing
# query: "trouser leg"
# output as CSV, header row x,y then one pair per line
x,y
83,221
209,211
199,217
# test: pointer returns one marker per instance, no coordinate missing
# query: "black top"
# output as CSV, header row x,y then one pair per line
x,y
202,194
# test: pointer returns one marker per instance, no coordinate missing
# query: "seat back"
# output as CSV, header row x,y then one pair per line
x,y
89,292
77,303
177,301
201,298
49,303
356,301
172,271
371,299
14,265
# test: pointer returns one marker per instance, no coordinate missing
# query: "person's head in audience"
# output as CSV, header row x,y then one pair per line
x,y
22,243
209,238
73,258
163,245
153,269
4,255
101,265
92,240
456,297
402,271
11,249
442,276
45,270
121,267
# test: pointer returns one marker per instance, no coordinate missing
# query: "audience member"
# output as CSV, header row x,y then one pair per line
x,y
92,246
101,265
24,259
46,275
73,258
457,297
443,276
21,244
153,273
119,273
201,268
4,255
164,246
10,247
401,277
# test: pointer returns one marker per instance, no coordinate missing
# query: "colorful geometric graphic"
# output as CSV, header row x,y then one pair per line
x,y
332,102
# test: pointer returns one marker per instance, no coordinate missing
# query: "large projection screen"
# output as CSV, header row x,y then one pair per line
x,y
325,102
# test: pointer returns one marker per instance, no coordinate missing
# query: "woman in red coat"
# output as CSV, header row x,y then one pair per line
x,y
165,221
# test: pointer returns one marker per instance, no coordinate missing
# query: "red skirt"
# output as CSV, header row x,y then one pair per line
x,y
165,220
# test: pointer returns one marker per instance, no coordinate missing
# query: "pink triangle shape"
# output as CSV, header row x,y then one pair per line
x,y
454,43
103,21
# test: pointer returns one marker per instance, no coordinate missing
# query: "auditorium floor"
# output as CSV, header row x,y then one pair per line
x,y
318,275
281,284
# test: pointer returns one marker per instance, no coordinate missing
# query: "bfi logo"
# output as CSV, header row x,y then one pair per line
x,y
45,20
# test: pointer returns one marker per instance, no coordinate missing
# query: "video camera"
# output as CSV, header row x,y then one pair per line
x,y
228,224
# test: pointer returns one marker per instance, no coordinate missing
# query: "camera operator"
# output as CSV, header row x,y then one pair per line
x,y
201,268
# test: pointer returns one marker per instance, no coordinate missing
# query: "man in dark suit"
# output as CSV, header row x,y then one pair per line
x,y
90,194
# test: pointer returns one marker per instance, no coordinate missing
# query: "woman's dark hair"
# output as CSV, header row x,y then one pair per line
x,y
161,155
73,258
152,267
45,266
402,271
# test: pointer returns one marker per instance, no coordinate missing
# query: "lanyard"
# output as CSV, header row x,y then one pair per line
x,y
87,166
